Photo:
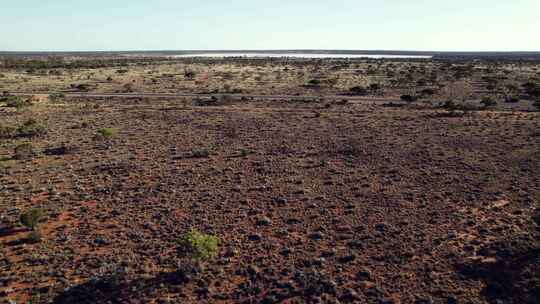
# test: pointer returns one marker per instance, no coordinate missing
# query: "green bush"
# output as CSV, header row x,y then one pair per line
x,y
34,237
488,102
31,128
244,152
7,132
16,102
56,96
358,90
106,133
409,98
31,218
189,74
314,83
200,246
200,152
24,151
83,87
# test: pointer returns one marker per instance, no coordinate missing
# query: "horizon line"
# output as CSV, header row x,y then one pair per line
x,y
269,50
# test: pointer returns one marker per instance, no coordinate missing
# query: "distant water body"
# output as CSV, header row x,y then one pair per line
x,y
299,55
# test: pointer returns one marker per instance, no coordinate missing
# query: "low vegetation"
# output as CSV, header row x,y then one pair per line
x,y
24,151
199,246
31,219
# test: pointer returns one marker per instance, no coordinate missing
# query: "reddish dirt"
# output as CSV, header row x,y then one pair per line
x,y
350,203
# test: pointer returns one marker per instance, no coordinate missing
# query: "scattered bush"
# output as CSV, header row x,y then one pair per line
x,y
511,99
358,90
244,152
34,237
428,92
83,87
409,98
375,87
56,96
200,246
106,133
532,89
189,74
128,87
7,132
31,218
200,152
31,128
314,83
24,151
17,102
352,147
488,102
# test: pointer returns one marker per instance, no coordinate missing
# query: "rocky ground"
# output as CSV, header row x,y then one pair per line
x,y
312,202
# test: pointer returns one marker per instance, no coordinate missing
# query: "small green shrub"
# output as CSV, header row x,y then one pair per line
x,y
31,218
7,132
314,83
244,152
16,102
106,133
31,128
488,102
358,90
201,152
409,98
56,96
200,246
34,237
189,74
24,151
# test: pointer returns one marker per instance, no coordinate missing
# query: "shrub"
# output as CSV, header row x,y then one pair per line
x,y
16,102
488,102
314,83
83,87
106,133
7,132
352,146
375,87
511,99
200,246
56,96
244,152
34,237
189,74
409,98
358,90
428,92
31,128
200,152
24,151
128,87
532,88
31,218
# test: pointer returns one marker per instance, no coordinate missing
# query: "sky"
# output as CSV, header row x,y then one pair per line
x,y
423,25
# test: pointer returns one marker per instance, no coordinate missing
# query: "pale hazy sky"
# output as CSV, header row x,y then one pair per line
x,y
451,25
